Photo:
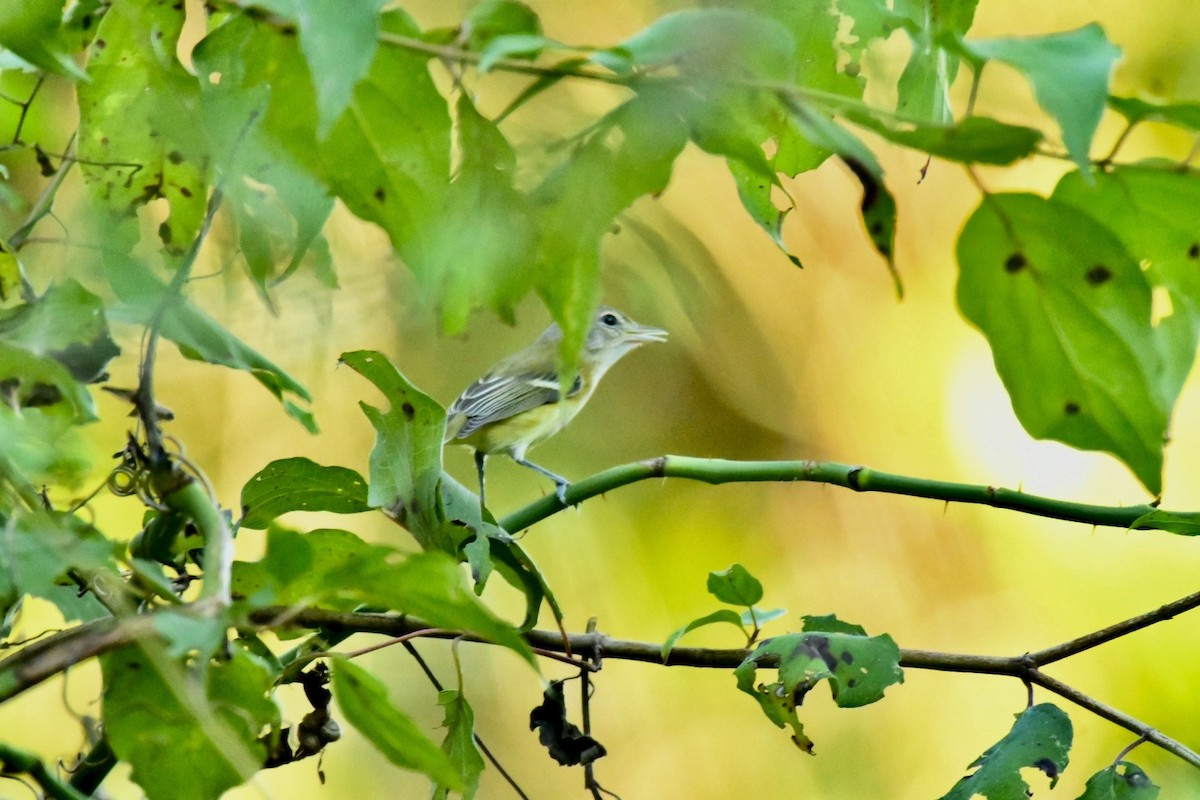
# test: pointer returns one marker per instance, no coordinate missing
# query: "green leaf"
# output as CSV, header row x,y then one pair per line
x,y
199,336
459,744
1066,311
858,667
66,323
629,154
1184,524
41,444
338,39
430,586
974,140
187,632
338,570
32,381
1069,72
1120,781
38,550
478,251
188,734
33,29
493,22
1040,738
719,42
519,45
298,484
924,86
297,566
735,586
138,136
721,615
829,623
1156,215
364,702
754,190
406,461
761,616
491,548
878,207
1135,110
263,103
400,172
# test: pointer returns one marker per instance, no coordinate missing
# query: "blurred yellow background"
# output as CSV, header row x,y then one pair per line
x,y
765,362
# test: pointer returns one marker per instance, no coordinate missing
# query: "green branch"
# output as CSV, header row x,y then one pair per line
x,y
858,478
15,761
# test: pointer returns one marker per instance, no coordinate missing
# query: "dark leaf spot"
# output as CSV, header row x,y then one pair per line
x,y
1071,408
100,44
409,411
175,157
1015,263
164,233
847,657
185,191
379,194
1194,250
1047,766
1099,274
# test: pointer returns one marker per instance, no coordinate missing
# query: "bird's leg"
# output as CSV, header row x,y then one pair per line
x,y
560,483
480,458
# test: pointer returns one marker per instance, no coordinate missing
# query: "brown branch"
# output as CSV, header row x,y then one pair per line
x,y
47,657
1025,667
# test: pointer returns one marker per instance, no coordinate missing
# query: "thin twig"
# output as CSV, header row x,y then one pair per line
x,y
144,396
451,53
483,748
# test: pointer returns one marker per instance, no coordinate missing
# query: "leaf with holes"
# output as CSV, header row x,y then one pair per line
x,y
138,135
859,669
1120,781
1066,311
1040,738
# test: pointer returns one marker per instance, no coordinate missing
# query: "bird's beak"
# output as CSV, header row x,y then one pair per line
x,y
644,333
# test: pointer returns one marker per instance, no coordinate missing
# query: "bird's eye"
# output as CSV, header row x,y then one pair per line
x,y
610,320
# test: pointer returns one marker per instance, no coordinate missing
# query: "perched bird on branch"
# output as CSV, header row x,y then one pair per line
x,y
518,402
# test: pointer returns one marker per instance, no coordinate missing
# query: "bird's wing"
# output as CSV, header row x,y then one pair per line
x,y
493,398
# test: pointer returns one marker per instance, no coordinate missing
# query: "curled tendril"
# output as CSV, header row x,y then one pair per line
x,y
123,481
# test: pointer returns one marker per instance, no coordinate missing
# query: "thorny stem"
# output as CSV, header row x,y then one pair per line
x,y
857,478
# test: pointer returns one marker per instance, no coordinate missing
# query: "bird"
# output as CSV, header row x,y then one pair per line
x,y
518,402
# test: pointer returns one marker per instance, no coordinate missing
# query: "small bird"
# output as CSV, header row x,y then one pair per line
x,y
518,402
